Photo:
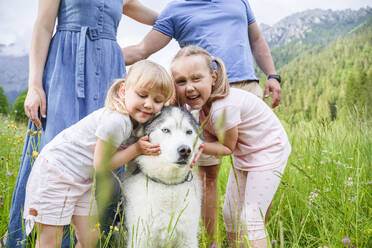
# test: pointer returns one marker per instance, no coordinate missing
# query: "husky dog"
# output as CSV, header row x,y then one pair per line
x,y
163,196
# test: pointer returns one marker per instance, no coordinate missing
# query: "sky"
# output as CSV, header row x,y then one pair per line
x,y
17,18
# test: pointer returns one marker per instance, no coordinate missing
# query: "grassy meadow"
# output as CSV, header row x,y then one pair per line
x,y
324,199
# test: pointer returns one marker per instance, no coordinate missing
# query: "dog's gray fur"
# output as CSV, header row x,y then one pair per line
x,y
162,200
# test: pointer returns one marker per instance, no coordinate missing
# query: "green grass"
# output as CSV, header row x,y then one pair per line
x,y
11,144
325,194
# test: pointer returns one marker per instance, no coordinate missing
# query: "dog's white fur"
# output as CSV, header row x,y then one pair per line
x,y
160,215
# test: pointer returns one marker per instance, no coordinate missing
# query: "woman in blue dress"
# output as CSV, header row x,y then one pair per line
x,y
69,75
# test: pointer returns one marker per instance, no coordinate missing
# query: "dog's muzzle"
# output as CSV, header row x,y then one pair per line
x,y
184,153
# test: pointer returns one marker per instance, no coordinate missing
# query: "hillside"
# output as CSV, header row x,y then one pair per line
x,y
323,83
310,29
302,25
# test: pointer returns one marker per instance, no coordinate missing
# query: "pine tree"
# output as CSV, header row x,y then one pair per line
x,y
4,104
18,107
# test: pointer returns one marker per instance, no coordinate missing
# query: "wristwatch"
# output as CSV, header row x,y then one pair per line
x,y
276,76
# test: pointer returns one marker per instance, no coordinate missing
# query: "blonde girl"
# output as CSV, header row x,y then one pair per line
x,y
250,131
58,190
74,56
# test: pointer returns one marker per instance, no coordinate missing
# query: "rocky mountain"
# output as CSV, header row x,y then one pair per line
x,y
13,75
310,31
317,22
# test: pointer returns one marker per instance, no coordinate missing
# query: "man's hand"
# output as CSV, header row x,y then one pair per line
x,y
273,86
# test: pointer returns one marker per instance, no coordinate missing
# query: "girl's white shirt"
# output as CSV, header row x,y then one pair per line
x,y
73,148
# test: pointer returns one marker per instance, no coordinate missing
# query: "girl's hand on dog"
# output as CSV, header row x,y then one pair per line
x,y
197,155
145,147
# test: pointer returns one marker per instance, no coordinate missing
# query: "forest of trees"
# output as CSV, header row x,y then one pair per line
x,y
327,83
4,104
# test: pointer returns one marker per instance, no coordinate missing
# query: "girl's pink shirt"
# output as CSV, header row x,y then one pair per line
x,y
262,140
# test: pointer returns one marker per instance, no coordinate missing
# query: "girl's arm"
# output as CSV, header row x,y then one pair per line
x,y
135,10
225,148
41,36
119,158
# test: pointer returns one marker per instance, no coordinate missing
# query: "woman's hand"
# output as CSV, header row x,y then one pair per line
x,y
35,99
145,147
41,37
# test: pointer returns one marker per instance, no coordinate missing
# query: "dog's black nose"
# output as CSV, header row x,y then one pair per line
x,y
184,151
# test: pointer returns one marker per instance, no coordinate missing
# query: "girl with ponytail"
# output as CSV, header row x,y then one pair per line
x,y
238,123
59,188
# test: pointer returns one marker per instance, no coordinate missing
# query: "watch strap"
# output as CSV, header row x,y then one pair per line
x,y
275,76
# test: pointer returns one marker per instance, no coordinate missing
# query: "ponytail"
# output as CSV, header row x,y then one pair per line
x,y
113,99
221,88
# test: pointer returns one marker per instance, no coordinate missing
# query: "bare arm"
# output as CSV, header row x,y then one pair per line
x,y
228,146
119,158
262,55
153,42
135,10
41,36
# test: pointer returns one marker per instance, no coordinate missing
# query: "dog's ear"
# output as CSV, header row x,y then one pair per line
x,y
147,123
139,131
195,114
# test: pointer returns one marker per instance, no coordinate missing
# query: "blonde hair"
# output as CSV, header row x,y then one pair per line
x,y
143,74
221,88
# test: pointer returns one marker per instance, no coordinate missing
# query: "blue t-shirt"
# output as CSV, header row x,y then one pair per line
x,y
218,26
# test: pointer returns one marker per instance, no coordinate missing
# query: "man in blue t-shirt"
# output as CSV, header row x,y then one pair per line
x,y
228,30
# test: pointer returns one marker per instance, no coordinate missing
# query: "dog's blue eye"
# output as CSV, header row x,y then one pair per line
x,y
189,132
165,130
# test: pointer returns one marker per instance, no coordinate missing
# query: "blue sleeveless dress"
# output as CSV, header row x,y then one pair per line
x,y
83,60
